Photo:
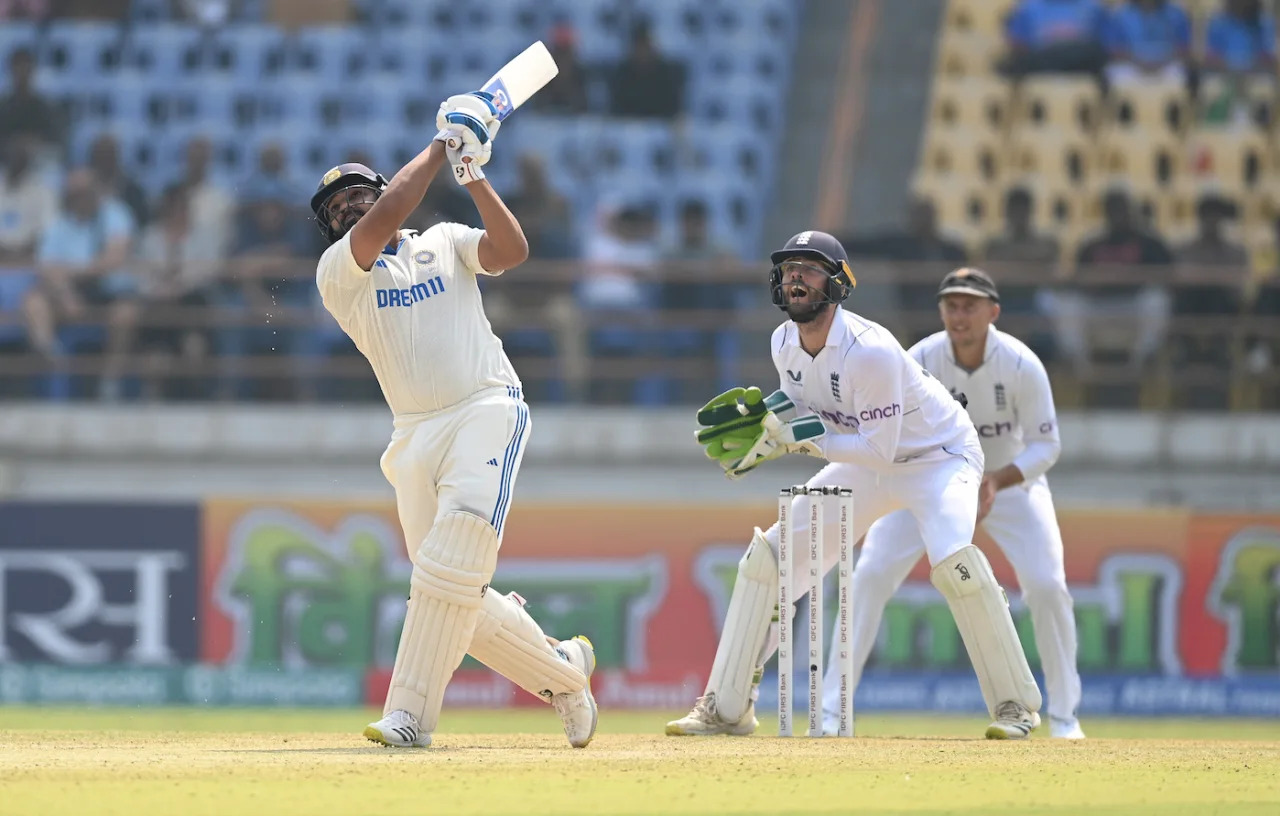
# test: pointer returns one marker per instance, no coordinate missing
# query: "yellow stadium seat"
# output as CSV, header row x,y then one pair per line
x,y
1060,157
1057,102
986,16
965,208
966,54
1254,98
1150,106
1237,160
1144,158
1055,206
976,103
970,156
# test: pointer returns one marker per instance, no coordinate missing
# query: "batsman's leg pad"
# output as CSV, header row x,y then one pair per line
x,y
511,643
450,572
981,611
751,610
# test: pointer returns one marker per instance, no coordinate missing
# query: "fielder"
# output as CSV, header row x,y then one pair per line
x,y
1009,399
411,304
892,434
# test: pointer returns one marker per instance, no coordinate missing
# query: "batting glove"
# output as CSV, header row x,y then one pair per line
x,y
477,103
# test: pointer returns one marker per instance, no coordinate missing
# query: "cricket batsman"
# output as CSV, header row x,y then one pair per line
x,y
411,304
893,435
1010,402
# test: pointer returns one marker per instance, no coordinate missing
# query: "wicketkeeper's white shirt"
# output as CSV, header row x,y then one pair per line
x,y
1010,400
878,404
417,317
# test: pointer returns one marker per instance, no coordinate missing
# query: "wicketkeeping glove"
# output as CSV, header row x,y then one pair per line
x,y
740,453
739,408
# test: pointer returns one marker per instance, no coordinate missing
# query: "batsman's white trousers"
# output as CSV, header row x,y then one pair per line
x,y
464,457
1023,523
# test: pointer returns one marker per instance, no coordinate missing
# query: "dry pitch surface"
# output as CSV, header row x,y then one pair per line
x,y
192,762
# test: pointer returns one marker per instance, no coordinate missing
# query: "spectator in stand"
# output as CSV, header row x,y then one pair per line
x,y
270,272
82,263
1122,249
567,93
104,161
27,204
542,211
646,84
179,264
270,179
695,255
1241,39
1055,36
211,206
1148,41
1211,247
23,111
1019,243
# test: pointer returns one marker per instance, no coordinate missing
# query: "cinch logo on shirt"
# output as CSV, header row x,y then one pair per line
x,y
998,429
410,296
880,413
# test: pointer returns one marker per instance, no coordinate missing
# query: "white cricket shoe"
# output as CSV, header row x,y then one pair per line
x,y
577,709
1065,729
831,724
705,721
399,729
1014,721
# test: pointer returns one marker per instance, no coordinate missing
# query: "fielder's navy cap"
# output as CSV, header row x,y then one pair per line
x,y
968,280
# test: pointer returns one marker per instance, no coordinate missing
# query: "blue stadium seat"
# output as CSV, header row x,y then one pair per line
x,y
249,52
163,49
81,49
328,53
15,34
645,148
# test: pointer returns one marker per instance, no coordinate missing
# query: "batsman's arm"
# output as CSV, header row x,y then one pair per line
x,y
503,245
403,195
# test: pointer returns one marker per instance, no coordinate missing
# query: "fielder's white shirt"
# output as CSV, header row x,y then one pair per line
x,y
1009,397
418,318
878,404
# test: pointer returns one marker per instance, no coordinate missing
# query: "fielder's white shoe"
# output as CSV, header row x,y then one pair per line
x,y
705,721
1014,721
577,709
1065,729
399,729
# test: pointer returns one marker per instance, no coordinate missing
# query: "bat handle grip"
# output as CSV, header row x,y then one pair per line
x,y
453,143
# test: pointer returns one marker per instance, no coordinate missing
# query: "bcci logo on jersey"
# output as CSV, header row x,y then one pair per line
x,y
408,297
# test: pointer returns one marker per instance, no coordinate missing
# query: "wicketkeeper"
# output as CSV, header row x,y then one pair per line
x,y
893,435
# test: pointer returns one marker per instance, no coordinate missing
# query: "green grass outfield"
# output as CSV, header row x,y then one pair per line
x,y
263,762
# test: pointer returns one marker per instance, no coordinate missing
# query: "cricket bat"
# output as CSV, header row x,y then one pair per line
x,y
521,78
518,80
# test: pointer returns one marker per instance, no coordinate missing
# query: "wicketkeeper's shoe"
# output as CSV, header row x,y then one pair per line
x,y
1013,721
577,709
705,721
399,729
1065,729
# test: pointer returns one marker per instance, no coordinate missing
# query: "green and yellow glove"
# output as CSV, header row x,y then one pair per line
x,y
739,453
738,409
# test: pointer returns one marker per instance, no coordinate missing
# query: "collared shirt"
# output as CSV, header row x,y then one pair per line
x,y
1009,400
1239,44
1153,35
418,318
878,404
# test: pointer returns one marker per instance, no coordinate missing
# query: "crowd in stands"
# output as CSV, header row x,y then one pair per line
x,y
1128,149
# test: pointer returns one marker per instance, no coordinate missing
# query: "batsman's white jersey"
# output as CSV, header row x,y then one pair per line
x,y
460,421
895,436
1011,405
